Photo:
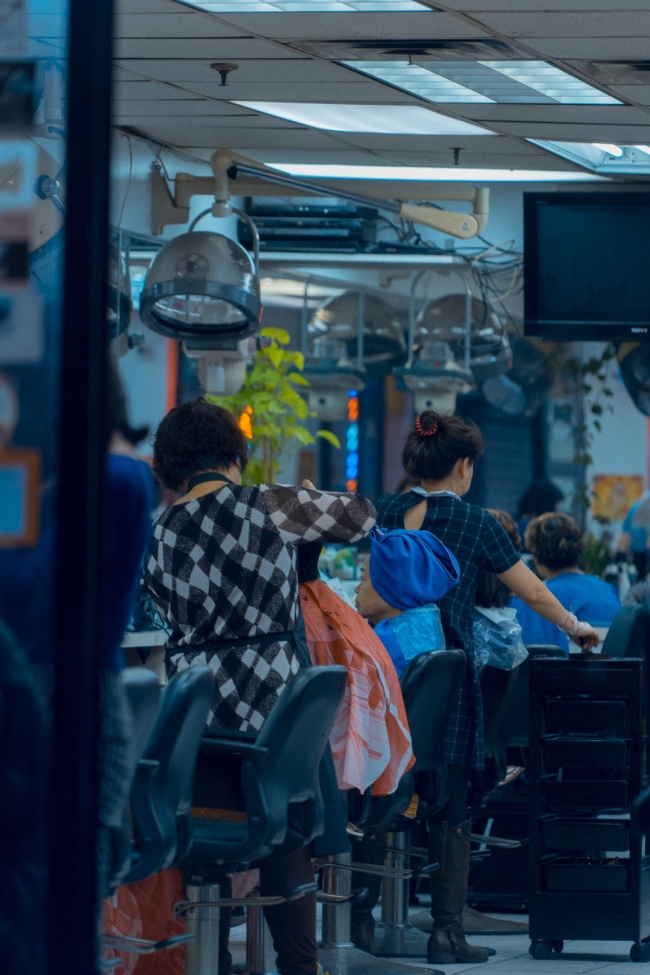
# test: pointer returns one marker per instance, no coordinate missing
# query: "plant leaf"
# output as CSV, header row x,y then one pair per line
x,y
274,355
279,334
295,401
302,435
330,437
298,379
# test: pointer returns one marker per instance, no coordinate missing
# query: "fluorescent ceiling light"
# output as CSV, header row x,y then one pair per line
x,y
430,173
497,82
396,119
602,158
609,148
306,6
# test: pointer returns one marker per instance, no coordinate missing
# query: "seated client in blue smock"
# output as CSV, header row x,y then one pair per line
x,y
404,576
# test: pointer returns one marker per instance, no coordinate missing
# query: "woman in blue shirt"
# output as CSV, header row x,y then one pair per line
x,y
556,541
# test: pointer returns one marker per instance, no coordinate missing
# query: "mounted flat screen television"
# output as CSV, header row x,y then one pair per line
x,y
587,266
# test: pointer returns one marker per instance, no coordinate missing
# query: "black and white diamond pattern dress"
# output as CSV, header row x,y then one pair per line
x,y
222,571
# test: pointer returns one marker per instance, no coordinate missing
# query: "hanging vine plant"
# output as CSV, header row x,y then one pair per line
x,y
590,381
270,410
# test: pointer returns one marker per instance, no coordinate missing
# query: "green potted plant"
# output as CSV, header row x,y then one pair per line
x,y
269,407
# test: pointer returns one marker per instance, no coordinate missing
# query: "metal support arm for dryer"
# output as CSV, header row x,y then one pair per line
x,y
250,179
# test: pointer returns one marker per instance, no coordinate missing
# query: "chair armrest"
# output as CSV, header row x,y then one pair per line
x,y
212,746
228,734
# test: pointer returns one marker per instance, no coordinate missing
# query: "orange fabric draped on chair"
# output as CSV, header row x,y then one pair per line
x,y
371,742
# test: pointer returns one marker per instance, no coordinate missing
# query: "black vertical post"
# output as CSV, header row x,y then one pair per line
x,y
73,802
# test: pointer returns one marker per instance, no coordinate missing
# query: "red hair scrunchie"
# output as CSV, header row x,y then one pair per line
x,y
425,433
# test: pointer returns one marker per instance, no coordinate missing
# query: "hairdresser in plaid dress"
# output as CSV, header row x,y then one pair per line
x,y
222,571
439,451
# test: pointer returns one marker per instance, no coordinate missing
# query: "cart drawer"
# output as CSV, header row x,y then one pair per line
x,y
591,834
581,874
585,794
560,752
607,718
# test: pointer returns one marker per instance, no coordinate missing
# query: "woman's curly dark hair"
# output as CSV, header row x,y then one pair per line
x,y
436,441
555,539
491,593
196,436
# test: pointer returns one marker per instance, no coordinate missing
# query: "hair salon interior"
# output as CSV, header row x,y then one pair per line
x,y
328,216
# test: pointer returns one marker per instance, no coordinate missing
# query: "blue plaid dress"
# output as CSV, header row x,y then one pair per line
x,y
478,541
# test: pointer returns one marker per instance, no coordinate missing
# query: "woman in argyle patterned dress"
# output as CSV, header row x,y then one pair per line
x,y
222,571
439,451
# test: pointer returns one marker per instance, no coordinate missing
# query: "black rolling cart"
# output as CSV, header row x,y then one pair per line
x,y
589,876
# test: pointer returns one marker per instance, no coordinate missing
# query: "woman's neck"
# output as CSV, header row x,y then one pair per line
x,y
552,573
449,484
233,473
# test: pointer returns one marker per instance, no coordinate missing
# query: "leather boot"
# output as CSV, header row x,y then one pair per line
x,y
370,849
450,846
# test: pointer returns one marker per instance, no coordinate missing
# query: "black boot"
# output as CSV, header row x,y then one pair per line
x,y
450,846
371,849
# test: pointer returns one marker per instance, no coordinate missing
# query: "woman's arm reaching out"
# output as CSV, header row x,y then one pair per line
x,y
535,594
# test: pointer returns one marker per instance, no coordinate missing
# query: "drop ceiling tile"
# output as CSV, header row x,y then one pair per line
x,y
184,24
635,93
558,132
146,7
354,91
600,114
590,48
142,88
472,6
342,156
177,116
249,71
585,23
322,26
421,143
218,134
480,159
219,49
139,108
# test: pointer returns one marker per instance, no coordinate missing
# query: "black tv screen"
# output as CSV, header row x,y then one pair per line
x,y
587,265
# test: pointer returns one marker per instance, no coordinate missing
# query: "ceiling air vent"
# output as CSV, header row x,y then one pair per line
x,y
459,49
619,72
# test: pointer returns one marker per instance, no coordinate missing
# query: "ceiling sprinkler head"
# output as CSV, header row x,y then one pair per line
x,y
224,70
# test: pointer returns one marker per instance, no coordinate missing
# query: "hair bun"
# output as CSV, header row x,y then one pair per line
x,y
427,423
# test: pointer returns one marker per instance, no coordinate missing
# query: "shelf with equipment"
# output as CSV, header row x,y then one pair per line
x,y
589,876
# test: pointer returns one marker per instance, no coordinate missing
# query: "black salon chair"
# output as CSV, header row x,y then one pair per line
x,y
160,801
161,797
497,689
279,774
628,633
141,688
279,783
430,687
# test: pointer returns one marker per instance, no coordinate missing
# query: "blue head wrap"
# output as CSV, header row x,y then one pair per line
x,y
411,568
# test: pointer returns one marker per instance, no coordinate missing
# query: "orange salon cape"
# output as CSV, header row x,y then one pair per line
x,y
371,741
